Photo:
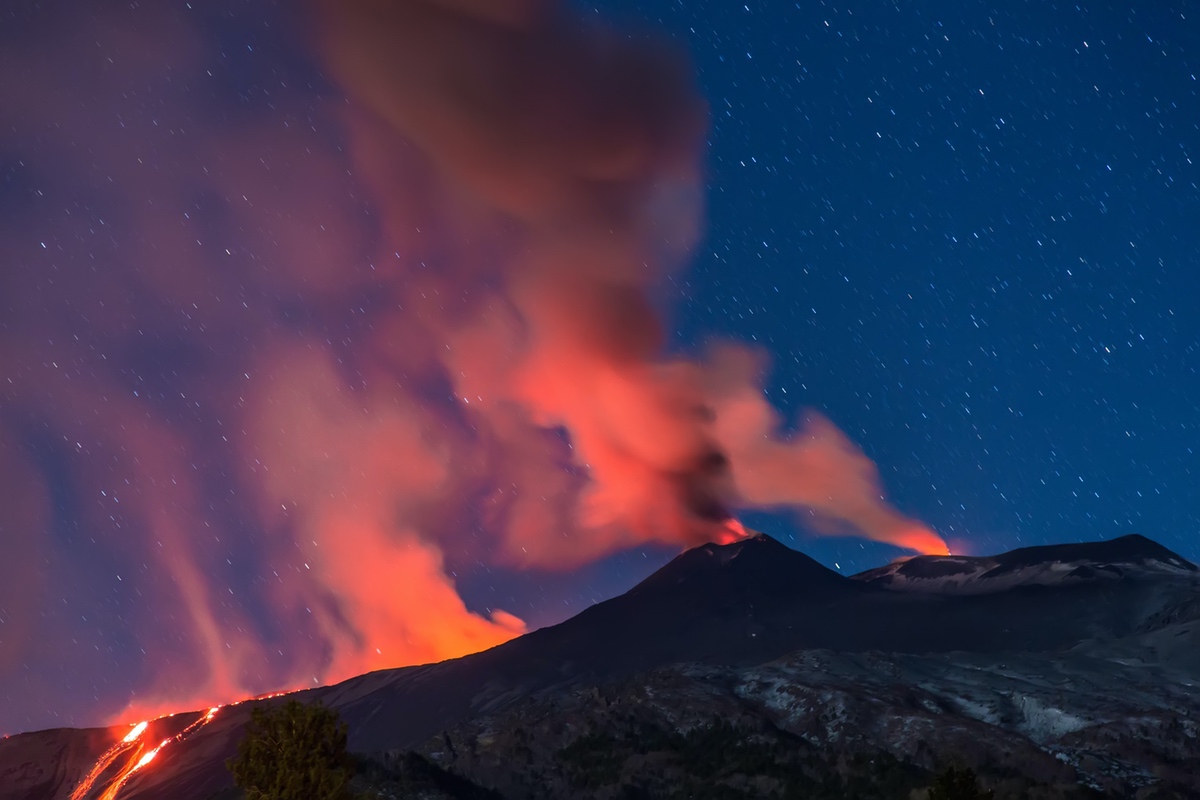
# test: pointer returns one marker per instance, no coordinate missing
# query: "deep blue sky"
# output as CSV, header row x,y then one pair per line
x,y
966,232
970,234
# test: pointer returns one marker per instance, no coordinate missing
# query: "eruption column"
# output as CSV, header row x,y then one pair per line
x,y
282,372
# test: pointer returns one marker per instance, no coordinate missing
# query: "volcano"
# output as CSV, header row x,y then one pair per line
x,y
735,610
1050,565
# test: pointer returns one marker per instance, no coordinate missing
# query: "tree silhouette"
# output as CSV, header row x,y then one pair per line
x,y
958,784
293,751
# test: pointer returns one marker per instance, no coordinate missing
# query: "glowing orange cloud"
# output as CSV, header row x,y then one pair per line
x,y
350,467
330,361
670,447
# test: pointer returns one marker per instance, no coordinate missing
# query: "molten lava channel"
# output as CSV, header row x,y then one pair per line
x,y
129,756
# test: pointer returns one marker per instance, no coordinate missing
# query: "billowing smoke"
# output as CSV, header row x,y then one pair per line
x,y
269,350
579,152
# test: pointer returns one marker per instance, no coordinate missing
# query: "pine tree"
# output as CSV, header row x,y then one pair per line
x,y
293,751
958,784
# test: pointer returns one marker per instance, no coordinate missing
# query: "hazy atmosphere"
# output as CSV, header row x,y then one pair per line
x,y
361,334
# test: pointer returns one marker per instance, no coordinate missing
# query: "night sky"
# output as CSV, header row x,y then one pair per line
x,y
966,233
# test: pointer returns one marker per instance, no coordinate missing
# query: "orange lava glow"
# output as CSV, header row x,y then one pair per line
x,y
148,756
106,760
137,731
514,405
136,756
731,531
923,541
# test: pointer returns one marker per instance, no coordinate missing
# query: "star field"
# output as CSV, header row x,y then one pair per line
x,y
967,233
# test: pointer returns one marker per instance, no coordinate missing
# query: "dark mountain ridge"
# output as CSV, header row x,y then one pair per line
x,y
1130,549
1132,557
734,606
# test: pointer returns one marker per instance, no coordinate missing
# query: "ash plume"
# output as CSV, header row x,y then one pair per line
x,y
265,365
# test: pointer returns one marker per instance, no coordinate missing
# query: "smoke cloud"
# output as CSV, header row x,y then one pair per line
x,y
270,349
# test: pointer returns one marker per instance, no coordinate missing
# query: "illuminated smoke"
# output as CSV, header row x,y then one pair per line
x,y
584,148
263,370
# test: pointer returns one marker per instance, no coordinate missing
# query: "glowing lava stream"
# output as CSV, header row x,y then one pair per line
x,y
138,758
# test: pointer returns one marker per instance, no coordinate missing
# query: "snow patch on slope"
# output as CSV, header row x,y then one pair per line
x,y
965,576
1042,722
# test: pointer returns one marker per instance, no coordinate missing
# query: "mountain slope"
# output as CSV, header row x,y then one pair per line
x,y
728,607
737,604
1036,726
1131,557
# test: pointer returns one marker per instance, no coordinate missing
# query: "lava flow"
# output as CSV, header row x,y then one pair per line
x,y
135,754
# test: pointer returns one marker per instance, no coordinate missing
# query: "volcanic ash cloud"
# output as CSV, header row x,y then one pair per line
x,y
278,365
573,154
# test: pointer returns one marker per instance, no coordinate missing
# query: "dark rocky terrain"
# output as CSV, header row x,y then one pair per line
x,y
750,670
1050,565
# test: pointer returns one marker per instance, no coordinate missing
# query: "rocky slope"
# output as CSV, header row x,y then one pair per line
x,y
1088,678
1127,557
808,724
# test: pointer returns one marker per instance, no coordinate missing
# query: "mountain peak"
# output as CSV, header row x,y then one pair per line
x,y
758,562
760,542
1133,556
1131,548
